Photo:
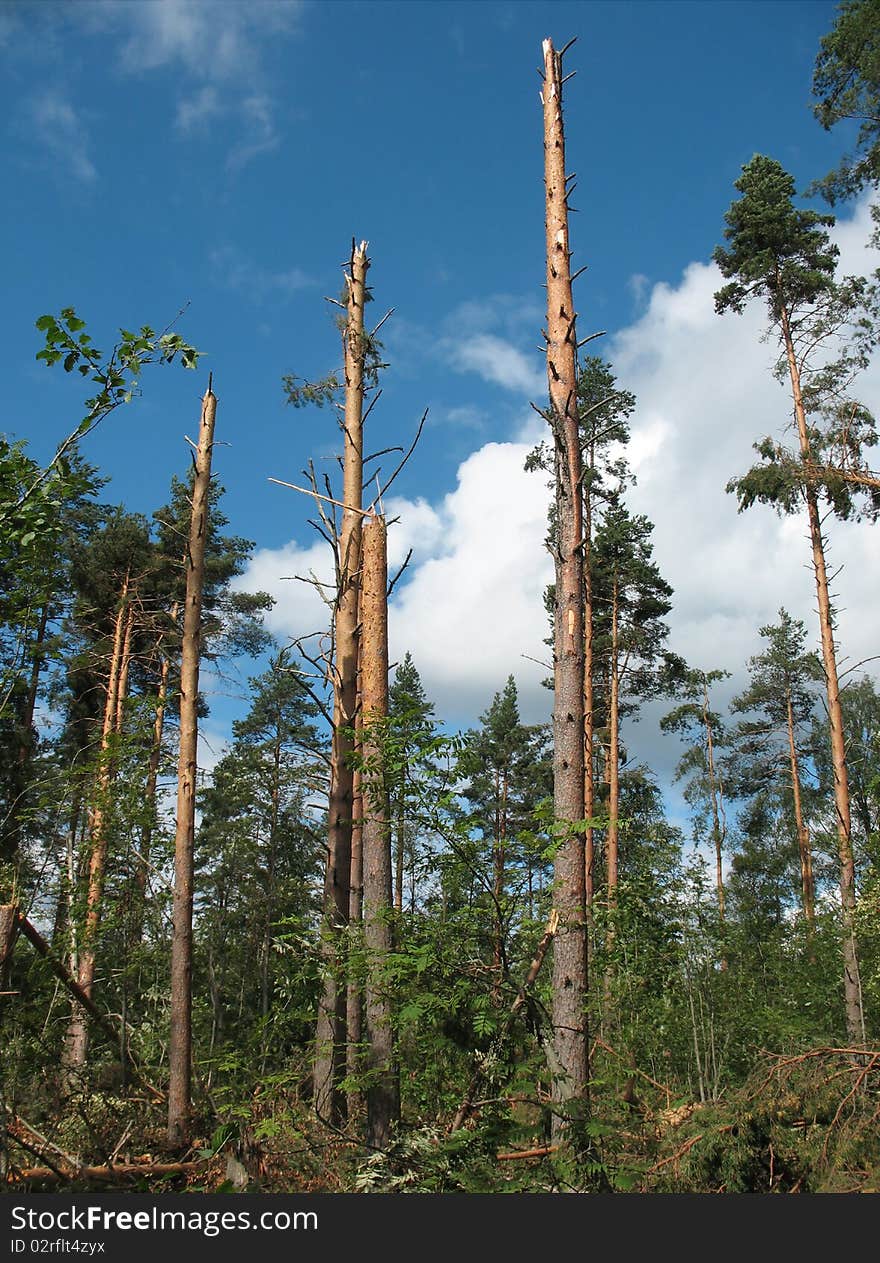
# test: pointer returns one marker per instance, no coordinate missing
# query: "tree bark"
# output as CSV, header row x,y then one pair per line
x,y
569,982
180,1038
612,842
331,1034
589,703
355,1001
76,1049
383,1091
852,988
8,933
146,840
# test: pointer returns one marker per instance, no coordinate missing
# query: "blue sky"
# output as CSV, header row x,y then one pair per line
x,y
223,155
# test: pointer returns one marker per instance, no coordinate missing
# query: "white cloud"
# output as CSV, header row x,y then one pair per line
x,y
470,606
217,51
497,361
212,40
56,127
258,132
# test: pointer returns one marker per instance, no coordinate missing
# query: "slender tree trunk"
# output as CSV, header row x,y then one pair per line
x,y
124,667
569,982
331,1035
76,1050
400,845
146,840
589,721
803,833
383,1092
852,988
355,1001
718,827
613,838
269,916
180,1039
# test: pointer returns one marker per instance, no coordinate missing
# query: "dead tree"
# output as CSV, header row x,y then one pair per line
x,y
76,1049
570,1041
331,1031
180,1039
383,1090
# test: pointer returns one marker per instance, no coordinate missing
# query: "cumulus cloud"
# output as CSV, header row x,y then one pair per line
x,y
470,607
497,361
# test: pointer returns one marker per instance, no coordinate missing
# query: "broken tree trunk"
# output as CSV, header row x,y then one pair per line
x,y
331,1034
180,1039
64,976
571,1049
8,932
76,1049
383,1090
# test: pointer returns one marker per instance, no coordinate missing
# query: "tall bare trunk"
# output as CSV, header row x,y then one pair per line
x,y
808,889
355,1000
718,824
76,1050
612,842
180,1039
589,720
146,840
852,988
569,983
383,1092
124,667
331,1035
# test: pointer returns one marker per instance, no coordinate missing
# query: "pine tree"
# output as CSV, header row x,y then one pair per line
x,y
846,82
506,772
782,697
412,727
632,601
783,255
695,720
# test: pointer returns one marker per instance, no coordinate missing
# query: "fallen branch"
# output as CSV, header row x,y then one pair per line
x,y
540,1152
35,938
109,1175
466,1108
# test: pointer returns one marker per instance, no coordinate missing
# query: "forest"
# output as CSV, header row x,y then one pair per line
x,y
365,950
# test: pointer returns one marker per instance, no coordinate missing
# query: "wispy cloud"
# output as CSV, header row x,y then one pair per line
x,y
213,40
194,113
55,126
259,134
234,270
493,337
497,361
218,50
